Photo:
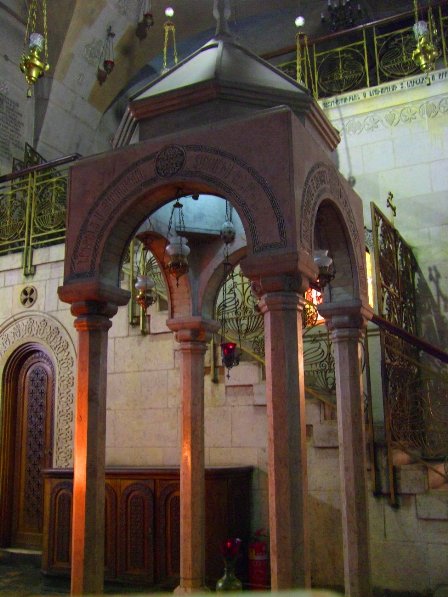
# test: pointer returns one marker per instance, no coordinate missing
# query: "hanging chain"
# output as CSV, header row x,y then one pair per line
x,y
44,16
229,211
304,57
169,27
416,10
31,22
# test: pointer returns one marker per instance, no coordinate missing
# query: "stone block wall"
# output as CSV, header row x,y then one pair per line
x,y
409,546
395,139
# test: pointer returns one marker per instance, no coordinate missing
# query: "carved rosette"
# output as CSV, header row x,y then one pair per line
x,y
39,328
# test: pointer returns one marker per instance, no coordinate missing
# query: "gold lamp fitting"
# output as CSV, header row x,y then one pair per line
x,y
33,67
426,51
425,54
34,61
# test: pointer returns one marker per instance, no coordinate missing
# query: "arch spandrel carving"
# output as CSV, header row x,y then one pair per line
x,y
323,183
211,168
35,327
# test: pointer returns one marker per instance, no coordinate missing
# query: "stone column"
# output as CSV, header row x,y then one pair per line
x,y
192,333
287,466
347,323
92,322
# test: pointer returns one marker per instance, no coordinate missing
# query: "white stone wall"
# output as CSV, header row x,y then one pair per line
x,y
395,138
16,110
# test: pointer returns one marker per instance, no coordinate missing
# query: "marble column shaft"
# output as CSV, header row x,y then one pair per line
x,y
287,465
192,334
346,332
92,324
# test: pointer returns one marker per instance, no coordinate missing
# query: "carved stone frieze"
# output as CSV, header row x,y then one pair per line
x,y
233,178
40,328
387,119
323,182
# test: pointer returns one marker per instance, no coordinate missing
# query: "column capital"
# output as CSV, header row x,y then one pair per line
x,y
91,315
91,289
347,315
280,272
193,329
281,301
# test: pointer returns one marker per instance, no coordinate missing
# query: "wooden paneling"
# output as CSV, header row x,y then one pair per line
x,y
142,522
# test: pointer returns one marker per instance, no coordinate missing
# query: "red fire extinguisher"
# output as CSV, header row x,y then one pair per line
x,y
259,562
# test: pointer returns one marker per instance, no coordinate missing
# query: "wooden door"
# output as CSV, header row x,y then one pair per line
x,y
33,448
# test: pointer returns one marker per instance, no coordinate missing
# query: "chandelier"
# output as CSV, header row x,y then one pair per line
x,y
106,61
426,52
341,14
34,61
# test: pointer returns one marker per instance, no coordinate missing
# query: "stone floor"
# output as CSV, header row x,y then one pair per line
x,y
19,579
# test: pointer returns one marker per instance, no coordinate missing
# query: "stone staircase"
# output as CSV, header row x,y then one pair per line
x,y
409,544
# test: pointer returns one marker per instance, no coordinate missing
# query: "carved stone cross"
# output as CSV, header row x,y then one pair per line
x,y
222,12
390,204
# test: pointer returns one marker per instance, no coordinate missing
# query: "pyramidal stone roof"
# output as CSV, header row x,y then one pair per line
x,y
222,70
223,61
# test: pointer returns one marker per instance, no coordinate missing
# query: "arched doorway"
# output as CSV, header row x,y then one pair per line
x,y
28,389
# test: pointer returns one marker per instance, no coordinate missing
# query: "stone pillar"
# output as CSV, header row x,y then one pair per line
x,y
287,465
192,333
92,322
347,323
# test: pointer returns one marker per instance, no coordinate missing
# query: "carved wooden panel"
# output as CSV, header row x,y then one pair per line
x,y
168,531
142,522
59,528
136,532
110,532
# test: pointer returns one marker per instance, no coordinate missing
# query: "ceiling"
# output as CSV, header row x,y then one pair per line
x,y
78,30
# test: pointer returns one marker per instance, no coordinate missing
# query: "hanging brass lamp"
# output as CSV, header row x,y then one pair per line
x,y
177,249
146,19
34,61
426,52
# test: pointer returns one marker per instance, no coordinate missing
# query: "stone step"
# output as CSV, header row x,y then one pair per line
x,y
432,505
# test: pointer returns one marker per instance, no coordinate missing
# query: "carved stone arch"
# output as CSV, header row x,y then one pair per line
x,y
42,329
149,182
323,186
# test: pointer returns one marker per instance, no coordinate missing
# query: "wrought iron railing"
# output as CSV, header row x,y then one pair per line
x,y
32,209
361,57
414,373
415,398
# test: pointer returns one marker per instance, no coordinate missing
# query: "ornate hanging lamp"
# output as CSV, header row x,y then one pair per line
x,y
106,61
146,19
145,283
426,52
230,353
34,61
177,249
326,268
169,29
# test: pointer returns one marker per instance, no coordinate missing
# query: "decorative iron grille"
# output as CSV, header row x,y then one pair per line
x,y
415,386
374,55
33,208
